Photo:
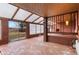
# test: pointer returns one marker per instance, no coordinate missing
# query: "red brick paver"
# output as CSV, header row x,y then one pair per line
x,y
35,46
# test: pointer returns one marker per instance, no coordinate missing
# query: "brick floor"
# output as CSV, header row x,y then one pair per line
x,y
35,46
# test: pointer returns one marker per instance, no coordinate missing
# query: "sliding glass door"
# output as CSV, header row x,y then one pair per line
x,y
16,30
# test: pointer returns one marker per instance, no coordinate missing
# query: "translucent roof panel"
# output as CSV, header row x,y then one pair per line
x,y
21,14
7,10
42,22
32,18
40,19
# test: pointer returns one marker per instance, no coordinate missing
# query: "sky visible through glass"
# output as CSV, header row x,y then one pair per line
x,y
13,24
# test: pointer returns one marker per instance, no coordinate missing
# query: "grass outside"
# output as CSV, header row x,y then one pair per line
x,y
15,35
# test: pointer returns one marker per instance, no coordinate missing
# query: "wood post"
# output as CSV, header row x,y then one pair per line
x,y
45,30
5,31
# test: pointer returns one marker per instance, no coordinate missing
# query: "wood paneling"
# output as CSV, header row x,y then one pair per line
x,y
61,26
62,39
51,9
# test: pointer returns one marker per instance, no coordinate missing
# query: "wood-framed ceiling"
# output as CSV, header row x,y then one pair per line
x,y
12,18
45,10
15,13
36,19
48,9
41,21
28,17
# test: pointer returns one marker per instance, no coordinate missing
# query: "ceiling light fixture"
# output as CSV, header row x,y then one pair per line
x,y
67,23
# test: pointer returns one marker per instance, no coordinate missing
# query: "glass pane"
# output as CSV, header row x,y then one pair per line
x,y
13,24
40,19
16,31
7,10
32,29
42,29
21,15
38,28
0,29
32,18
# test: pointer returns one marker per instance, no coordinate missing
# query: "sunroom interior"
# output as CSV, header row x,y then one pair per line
x,y
39,29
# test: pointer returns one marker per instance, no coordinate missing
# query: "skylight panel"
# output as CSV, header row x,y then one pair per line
x,y
7,10
21,15
32,18
42,22
40,19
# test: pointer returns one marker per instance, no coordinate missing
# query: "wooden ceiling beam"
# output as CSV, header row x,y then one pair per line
x,y
24,9
64,13
34,23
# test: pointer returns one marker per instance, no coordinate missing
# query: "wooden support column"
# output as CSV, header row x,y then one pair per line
x,y
77,21
71,22
5,31
27,30
45,30
63,23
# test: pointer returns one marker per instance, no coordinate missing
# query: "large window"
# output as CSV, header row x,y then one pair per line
x,y
0,30
16,30
7,10
32,29
36,29
42,29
